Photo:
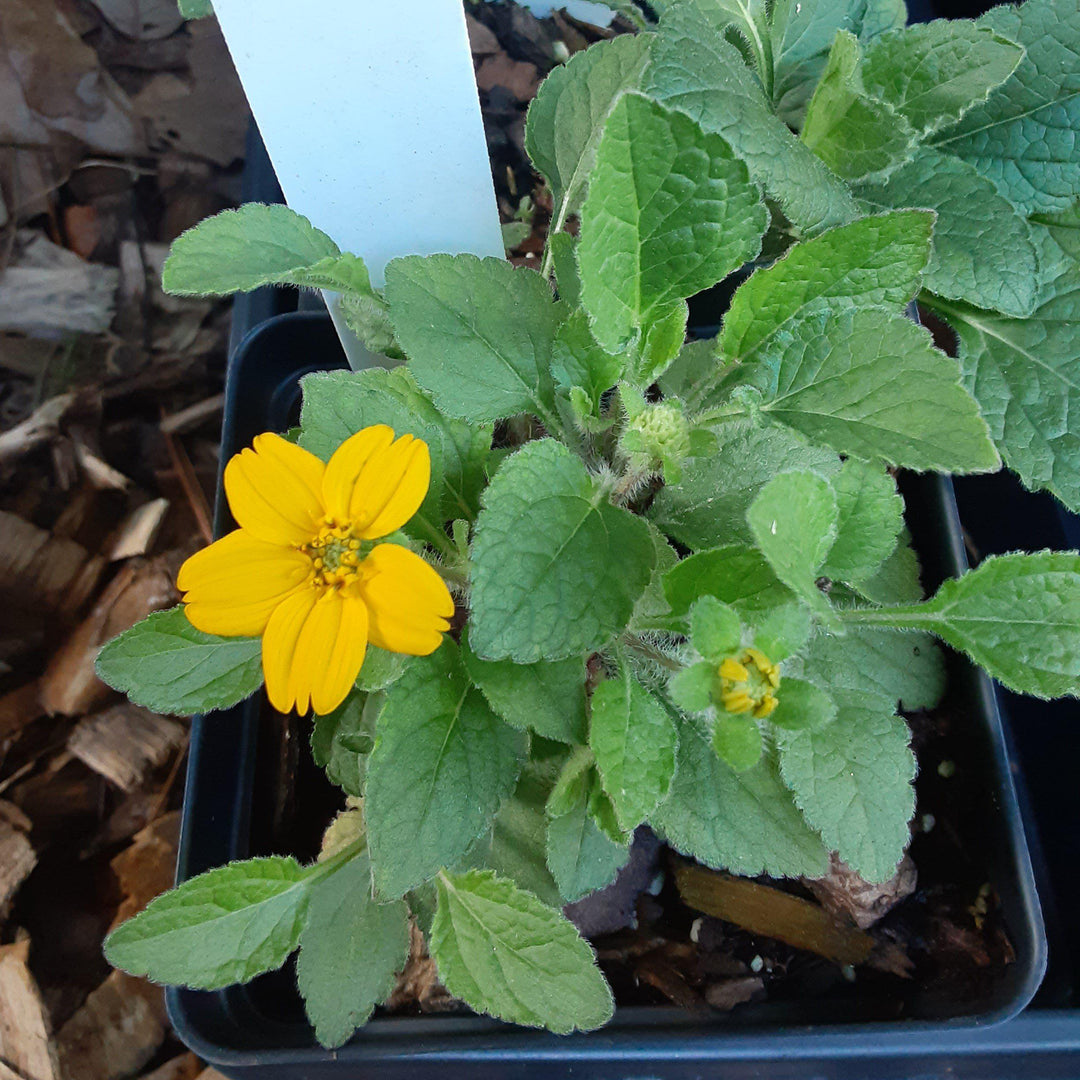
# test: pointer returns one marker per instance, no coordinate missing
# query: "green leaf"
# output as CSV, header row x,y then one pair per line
x,y
477,333
195,9
1024,137
802,705
898,580
696,70
634,741
735,574
899,666
342,740
983,251
871,383
556,569
737,741
442,764
517,846
876,260
545,697
793,520
240,250
1018,616
351,949
380,668
166,665
870,515
691,688
858,137
564,256
934,72
367,316
577,360
853,781
566,118
743,822
708,506
505,953
581,856
670,211
783,630
1025,375
715,628
802,35
337,404
225,926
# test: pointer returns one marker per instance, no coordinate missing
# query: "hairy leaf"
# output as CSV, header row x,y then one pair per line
x,y
165,664
225,926
505,953
1025,136
983,250
671,211
556,569
870,514
696,70
477,333
351,949
442,764
853,781
743,822
934,72
634,741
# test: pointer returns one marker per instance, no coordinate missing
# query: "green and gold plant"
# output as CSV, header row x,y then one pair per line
x,y
564,572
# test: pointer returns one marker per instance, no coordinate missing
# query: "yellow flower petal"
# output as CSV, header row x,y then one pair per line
x,y
409,606
390,488
275,490
329,652
346,464
233,586
279,646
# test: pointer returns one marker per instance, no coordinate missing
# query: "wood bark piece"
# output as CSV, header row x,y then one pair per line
x,y
26,1046
147,867
69,686
137,532
182,1067
731,992
17,855
115,1033
125,743
36,568
40,426
764,910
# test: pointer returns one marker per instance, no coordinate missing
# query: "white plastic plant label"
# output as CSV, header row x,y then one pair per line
x,y
371,118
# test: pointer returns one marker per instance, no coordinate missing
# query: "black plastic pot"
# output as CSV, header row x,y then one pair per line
x,y
259,1031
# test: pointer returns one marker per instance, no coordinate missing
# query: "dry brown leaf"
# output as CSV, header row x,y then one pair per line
x,y
843,892
115,1033
26,1045
125,743
419,983
205,114
482,42
731,992
147,867
69,685
51,83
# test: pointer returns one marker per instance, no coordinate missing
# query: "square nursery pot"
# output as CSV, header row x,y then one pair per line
x,y
240,763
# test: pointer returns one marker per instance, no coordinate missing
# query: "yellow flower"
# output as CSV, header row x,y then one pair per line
x,y
749,684
303,570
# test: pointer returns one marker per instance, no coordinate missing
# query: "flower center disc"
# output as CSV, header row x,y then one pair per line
x,y
336,555
748,683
